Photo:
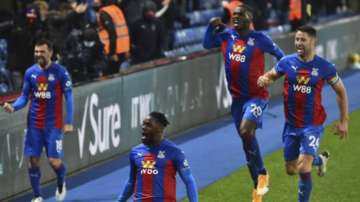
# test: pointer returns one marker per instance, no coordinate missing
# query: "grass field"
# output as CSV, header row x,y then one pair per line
x,y
341,183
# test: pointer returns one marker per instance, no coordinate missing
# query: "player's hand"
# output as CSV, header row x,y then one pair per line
x,y
216,21
341,129
68,128
264,81
8,107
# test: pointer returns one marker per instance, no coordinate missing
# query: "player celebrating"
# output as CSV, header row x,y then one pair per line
x,y
153,166
305,75
45,83
243,50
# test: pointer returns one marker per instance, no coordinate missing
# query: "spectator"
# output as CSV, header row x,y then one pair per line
x,y
166,12
113,34
83,54
23,36
147,36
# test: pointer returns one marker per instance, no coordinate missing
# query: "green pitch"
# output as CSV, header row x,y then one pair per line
x,y
340,184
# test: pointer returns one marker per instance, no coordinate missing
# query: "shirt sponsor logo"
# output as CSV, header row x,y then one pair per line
x,y
238,48
236,54
42,92
148,167
302,84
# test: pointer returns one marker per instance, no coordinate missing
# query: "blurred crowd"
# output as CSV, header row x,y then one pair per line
x,y
95,38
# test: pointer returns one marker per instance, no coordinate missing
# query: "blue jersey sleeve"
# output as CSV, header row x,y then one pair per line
x,y
128,189
280,67
212,39
270,47
23,99
66,85
331,75
183,168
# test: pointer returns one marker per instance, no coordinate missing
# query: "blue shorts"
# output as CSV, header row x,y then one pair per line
x,y
301,141
251,109
38,138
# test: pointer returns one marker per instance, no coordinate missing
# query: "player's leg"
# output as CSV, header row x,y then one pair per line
x,y
305,181
308,149
55,153
320,160
32,149
252,119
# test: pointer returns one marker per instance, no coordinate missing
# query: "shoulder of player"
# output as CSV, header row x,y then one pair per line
x,y
259,35
31,70
323,62
288,58
169,145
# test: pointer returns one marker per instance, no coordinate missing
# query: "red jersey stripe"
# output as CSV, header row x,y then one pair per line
x,y
286,97
319,111
169,182
256,69
42,86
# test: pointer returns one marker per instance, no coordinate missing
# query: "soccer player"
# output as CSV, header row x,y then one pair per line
x,y
153,166
305,75
243,51
45,83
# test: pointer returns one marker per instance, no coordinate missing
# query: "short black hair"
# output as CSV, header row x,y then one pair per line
x,y
47,42
307,29
160,118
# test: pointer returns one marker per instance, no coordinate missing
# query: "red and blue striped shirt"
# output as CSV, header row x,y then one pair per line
x,y
303,85
244,59
45,89
153,173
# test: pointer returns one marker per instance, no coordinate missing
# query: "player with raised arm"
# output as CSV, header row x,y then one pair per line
x,y
243,51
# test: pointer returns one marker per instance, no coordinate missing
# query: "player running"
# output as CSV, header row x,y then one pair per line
x,y
305,75
243,51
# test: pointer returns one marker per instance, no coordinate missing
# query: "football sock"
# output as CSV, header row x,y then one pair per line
x,y
253,156
317,161
305,186
60,174
35,175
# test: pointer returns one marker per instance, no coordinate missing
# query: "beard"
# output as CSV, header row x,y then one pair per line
x,y
41,61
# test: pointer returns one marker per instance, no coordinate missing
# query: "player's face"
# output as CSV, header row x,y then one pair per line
x,y
42,55
304,43
241,19
151,131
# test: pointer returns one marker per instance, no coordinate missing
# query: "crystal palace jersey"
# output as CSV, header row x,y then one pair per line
x,y
45,89
244,59
154,169
302,89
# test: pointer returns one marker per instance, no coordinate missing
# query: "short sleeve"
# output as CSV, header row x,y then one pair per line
x,y
331,76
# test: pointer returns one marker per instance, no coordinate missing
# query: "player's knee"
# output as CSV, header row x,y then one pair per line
x,y
291,171
55,163
34,162
244,131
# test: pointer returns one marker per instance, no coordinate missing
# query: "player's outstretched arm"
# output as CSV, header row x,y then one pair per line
x,y
190,184
341,128
268,78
